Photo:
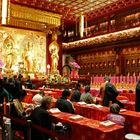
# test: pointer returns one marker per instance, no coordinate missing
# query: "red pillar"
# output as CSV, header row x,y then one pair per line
x,y
48,55
59,40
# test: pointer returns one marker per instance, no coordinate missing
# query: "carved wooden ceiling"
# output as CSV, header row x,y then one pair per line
x,y
71,9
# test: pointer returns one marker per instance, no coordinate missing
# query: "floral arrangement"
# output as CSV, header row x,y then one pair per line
x,y
74,65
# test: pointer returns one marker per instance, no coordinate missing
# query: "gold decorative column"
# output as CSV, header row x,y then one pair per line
x,y
81,26
4,11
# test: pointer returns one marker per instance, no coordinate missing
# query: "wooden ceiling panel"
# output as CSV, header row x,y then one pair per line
x,y
70,9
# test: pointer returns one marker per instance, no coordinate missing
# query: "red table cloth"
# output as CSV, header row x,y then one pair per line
x,y
88,129
132,118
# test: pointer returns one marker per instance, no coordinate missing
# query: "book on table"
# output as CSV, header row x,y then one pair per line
x,y
76,117
107,123
82,103
54,110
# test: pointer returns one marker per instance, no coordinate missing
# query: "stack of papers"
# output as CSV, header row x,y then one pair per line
x,y
76,117
81,103
122,110
124,101
54,110
98,106
91,104
107,123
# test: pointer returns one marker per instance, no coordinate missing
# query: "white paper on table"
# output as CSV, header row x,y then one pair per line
x,y
107,123
124,101
91,105
82,103
98,105
76,117
54,110
122,110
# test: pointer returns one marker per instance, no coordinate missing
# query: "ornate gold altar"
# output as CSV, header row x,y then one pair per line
x,y
22,51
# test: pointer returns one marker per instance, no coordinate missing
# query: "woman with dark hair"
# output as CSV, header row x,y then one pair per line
x,y
76,94
28,83
137,101
87,97
114,116
64,104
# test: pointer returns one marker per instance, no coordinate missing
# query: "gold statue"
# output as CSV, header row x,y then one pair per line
x,y
54,49
10,52
28,57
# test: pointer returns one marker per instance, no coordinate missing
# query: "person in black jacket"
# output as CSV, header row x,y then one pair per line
x,y
137,101
76,94
110,93
4,93
41,117
64,104
28,83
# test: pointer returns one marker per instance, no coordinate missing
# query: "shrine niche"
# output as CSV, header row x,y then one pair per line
x,y
21,47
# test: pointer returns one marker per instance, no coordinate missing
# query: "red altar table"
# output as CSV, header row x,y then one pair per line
x,y
132,121
31,93
88,129
130,96
59,92
132,118
91,111
129,105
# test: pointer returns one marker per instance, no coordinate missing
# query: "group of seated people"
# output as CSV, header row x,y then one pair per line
x,y
39,113
13,87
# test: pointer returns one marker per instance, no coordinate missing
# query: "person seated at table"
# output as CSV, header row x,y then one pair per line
x,y
76,94
40,116
109,93
28,83
4,93
36,100
87,97
137,100
64,104
114,116
17,112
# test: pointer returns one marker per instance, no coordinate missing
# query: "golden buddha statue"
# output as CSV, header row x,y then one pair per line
x,y
10,53
54,49
28,57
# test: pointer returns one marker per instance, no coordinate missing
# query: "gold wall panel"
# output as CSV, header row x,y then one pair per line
x,y
23,46
25,17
